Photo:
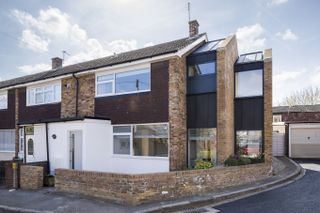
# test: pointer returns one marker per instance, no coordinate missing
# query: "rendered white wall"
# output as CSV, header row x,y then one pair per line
x,y
97,150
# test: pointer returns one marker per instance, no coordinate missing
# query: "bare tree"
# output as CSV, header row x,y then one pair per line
x,y
307,96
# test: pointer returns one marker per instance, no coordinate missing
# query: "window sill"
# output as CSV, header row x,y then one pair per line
x,y
120,94
140,157
6,151
43,104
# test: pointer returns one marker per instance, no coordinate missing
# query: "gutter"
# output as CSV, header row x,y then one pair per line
x,y
77,92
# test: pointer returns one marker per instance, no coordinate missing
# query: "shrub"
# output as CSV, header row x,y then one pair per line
x,y
201,164
231,161
258,159
244,160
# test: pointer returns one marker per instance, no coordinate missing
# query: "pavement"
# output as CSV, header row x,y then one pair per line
x,y
300,196
48,200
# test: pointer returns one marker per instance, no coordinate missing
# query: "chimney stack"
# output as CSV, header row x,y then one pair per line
x,y
193,28
56,63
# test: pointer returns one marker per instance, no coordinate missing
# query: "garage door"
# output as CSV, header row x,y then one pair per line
x,y
305,142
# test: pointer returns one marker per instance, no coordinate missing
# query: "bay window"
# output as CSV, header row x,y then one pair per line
x,y
141,140
50,93
249,142
3,100
249,83
123,82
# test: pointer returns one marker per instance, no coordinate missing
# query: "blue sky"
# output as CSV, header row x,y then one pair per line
x,y
34,31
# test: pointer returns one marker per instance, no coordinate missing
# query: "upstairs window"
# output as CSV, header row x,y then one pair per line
x,y
249,83
47,94
201,69
3,100
277,118
124,82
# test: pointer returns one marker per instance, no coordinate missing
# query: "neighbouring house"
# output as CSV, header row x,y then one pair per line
x,y
299,127
155,109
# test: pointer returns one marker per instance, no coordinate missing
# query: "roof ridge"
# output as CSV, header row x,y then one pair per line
x,y
150,51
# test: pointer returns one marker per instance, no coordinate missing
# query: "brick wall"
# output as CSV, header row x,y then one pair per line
x,y
31,177
227,54
290,117
137,189
177,113
268,104
86,96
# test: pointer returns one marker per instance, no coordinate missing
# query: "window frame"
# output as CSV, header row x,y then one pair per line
x,y
43,90
249,130
114,81
276,116
13,132
131,154
248,96
5,94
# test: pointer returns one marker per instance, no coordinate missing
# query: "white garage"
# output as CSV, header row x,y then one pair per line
x,y
304,140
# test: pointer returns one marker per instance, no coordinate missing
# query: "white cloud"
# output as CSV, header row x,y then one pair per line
x,y
250,38
288,35
53,25
33,42
149,44
278,2
286,82
31,69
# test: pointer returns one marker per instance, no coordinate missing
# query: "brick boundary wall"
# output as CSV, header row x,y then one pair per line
x,y
144,188
31,177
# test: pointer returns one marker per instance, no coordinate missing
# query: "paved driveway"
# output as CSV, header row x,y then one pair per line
x,y
300,196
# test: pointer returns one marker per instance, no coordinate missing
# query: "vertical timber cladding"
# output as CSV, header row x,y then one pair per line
x,y
267,104
227,54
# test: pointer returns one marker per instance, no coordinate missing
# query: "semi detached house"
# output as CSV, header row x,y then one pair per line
x,y
155,109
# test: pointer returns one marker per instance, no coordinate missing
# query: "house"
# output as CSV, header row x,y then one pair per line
x,y
155,109
301,126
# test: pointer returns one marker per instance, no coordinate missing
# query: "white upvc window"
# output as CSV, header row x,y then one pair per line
x,y
7,140
277,118
45,94
124,82
141,140
3,100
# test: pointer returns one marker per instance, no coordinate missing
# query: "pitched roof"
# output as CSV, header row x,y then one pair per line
x,y
297,108
143,53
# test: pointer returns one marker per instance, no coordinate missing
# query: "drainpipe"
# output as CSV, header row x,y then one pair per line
x,y
47,142
77,92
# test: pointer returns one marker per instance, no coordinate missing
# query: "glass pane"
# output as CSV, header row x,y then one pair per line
x,y
133,81
3,101
249,83
30,147
150,140
57,92
31,97
241,59
250,57
207,46
121,129
202,145
39,98
121,144
7,140
48,97
259,57
105,88
201,69
105,78
249,143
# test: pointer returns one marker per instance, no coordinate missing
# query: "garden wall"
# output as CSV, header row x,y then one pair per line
x,y
137,189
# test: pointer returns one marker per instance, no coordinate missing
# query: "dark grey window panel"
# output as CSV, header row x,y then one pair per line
x,y
249,113
248,66
202,84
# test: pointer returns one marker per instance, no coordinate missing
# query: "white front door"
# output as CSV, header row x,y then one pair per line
x,y
75,156
30,148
